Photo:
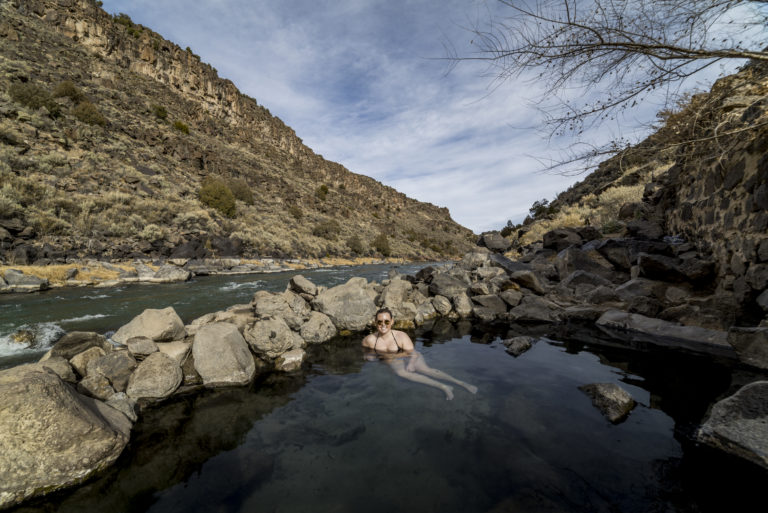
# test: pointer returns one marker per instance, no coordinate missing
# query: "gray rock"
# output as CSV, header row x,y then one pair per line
x,y
614,402
169,273
584,281
157,377
643,288
446,285
751,344
267,305
475,259
561,238
574,259
177,350
53,437
221,355
349,306
96,386
644,230
272,337
20,282
80,361
530,280
518,345
635,328
739,424
124,405
534,309
76,342
602,294
583,313
290,361
511,297
424,312
301,285
141,346
762,300
318,329
61,367
494,242
159,325
462,305
505,263
116,366
441,304
492,302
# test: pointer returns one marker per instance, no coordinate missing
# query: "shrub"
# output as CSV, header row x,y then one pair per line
x,y
321,192
122,19
356,245
241,190
215,194
328,229
69,90
381,244
296,212
33,97
181,127
159,111
88,113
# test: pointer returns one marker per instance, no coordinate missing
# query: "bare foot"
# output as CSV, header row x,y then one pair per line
x,y
448,393
471,388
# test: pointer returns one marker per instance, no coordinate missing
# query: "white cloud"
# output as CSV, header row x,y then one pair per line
x,y
359,82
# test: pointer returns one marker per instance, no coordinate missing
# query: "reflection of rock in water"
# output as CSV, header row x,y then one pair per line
x,y
172,442
341,355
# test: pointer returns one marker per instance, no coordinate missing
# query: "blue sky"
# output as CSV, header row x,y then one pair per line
x,y
363,83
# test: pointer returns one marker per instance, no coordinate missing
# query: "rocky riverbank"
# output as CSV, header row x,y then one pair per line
x,y
95,273
636,291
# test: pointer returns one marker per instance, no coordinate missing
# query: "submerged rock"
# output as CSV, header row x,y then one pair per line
x,y
739,424
613,401
53,437
290,360
518,345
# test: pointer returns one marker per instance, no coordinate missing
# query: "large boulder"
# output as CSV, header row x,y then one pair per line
x,y
349,306
157,377
169,273
614,402
20,282
535,309
221,355
574,259
561,238
751,344
630,328
76,342
301,285
318,329
462,305
530,280
116,366
444,284
739,424
494,241
53,437
159,325
288,305
272,337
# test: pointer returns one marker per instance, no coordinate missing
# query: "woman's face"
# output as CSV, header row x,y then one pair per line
x,y
383,322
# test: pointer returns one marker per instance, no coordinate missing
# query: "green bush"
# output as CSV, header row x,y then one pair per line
x,y
33,97
88,113
356,245
328,229
241,190
181,127
321,192
215,193
381,244
159,111
69,90
122,19
296,212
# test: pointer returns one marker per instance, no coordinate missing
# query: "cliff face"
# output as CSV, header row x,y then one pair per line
x,y
129,181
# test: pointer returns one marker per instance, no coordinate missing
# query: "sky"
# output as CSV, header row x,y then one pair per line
x,y
366,83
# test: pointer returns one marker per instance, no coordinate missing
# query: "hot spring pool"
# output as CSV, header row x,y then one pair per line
x,y
348,435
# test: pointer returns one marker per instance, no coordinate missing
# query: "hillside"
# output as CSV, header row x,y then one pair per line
x,y
117,143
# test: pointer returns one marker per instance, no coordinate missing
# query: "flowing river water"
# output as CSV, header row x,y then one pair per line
x,y
348,435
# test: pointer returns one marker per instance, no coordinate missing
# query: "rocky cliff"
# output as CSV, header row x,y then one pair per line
x,y
116,143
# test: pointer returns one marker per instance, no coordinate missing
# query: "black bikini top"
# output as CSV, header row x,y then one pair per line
x,y
399,349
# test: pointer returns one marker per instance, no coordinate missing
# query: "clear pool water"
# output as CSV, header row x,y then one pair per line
x,y
348,435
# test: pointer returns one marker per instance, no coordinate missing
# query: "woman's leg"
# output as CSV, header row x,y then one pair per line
x,y
418,364
398,366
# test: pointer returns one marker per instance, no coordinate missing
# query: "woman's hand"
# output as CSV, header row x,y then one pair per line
x,y
411,365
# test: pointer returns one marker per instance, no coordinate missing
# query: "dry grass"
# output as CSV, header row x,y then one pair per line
x,y
57,274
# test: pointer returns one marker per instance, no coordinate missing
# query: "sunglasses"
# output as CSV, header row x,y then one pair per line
x,y
384,322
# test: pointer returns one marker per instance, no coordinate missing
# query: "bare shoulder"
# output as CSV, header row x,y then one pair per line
x,y
404,339
369,340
